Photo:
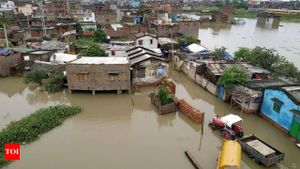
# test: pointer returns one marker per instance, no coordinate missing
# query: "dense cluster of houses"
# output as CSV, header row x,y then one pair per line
x,y
119,19
136,58
274,99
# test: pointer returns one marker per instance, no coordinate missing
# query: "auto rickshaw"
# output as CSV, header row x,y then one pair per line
x,y
230,156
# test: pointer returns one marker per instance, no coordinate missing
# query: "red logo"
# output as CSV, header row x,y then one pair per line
x,y
12,152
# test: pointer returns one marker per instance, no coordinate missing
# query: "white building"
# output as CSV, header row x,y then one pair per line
x,y
146,40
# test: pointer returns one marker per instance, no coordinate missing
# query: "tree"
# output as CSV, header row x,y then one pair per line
x,y
100,36
219,53
233,76
78,27
187,40
268,59
55,82
36,76
93,50
242,54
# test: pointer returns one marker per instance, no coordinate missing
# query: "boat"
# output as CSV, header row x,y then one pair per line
x,y
259,151
238,21
298,144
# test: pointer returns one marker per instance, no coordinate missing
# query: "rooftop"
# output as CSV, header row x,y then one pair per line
x,y
101,60
263,84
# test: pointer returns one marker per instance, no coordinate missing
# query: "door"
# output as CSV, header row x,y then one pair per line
x,y
295,130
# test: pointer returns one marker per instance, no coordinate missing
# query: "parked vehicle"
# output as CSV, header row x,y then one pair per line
x,y
230,156
229,125
260,152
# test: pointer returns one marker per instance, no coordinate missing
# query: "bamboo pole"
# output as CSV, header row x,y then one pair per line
x,y
192,160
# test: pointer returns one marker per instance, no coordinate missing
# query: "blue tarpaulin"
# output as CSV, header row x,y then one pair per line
x,y
6,51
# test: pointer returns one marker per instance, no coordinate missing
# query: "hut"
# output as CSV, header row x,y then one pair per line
x,y
10,60
99,74
281,107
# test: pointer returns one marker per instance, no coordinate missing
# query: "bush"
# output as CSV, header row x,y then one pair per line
x,y
93,50
55,82
187,40
35,76
100,36
31,127
233,76
164,96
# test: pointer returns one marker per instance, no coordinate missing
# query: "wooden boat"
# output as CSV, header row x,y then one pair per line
x,y
298,144
261,152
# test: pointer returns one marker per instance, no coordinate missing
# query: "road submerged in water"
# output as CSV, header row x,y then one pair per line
x,y
125,131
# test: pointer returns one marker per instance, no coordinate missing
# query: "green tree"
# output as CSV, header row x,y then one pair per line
x,y
93,50
100,36
187,40
35,76
242,54
78,27
55,82
233,76
219,53
83,42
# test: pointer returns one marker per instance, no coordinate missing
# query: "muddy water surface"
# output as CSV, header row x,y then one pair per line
x,y
285,39
124,131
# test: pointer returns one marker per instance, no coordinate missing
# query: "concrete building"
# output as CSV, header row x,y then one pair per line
x,y
99,74
146,40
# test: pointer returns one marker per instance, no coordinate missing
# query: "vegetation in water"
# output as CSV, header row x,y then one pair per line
x,y
93,50
233,76
270,60
164,96
187,40
219,53
35,76
55,82
31,127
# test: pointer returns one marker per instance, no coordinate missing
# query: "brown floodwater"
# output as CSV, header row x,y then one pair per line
x,y
125,132
285,39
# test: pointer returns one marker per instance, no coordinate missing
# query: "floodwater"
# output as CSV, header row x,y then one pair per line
x,y
125,132
285,39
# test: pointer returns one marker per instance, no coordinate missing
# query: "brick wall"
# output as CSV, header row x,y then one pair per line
x,y
190,111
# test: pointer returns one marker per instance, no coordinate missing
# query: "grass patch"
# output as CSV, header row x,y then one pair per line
x,y
31,127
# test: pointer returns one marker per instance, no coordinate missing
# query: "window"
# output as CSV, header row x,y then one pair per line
x,y
82,76
113,76
140,42
151,41
113,53
277,105
141,72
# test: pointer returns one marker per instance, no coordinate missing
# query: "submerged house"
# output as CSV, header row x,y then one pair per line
x,y
281,106
99,74
249,96
147,67
9,61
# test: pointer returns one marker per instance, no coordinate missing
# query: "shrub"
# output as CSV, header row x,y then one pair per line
x,y
55,82
35,76
164,96
233,76
31,127
93,50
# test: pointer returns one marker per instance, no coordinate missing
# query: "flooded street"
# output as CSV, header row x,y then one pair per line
x,y
284,39
124,131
